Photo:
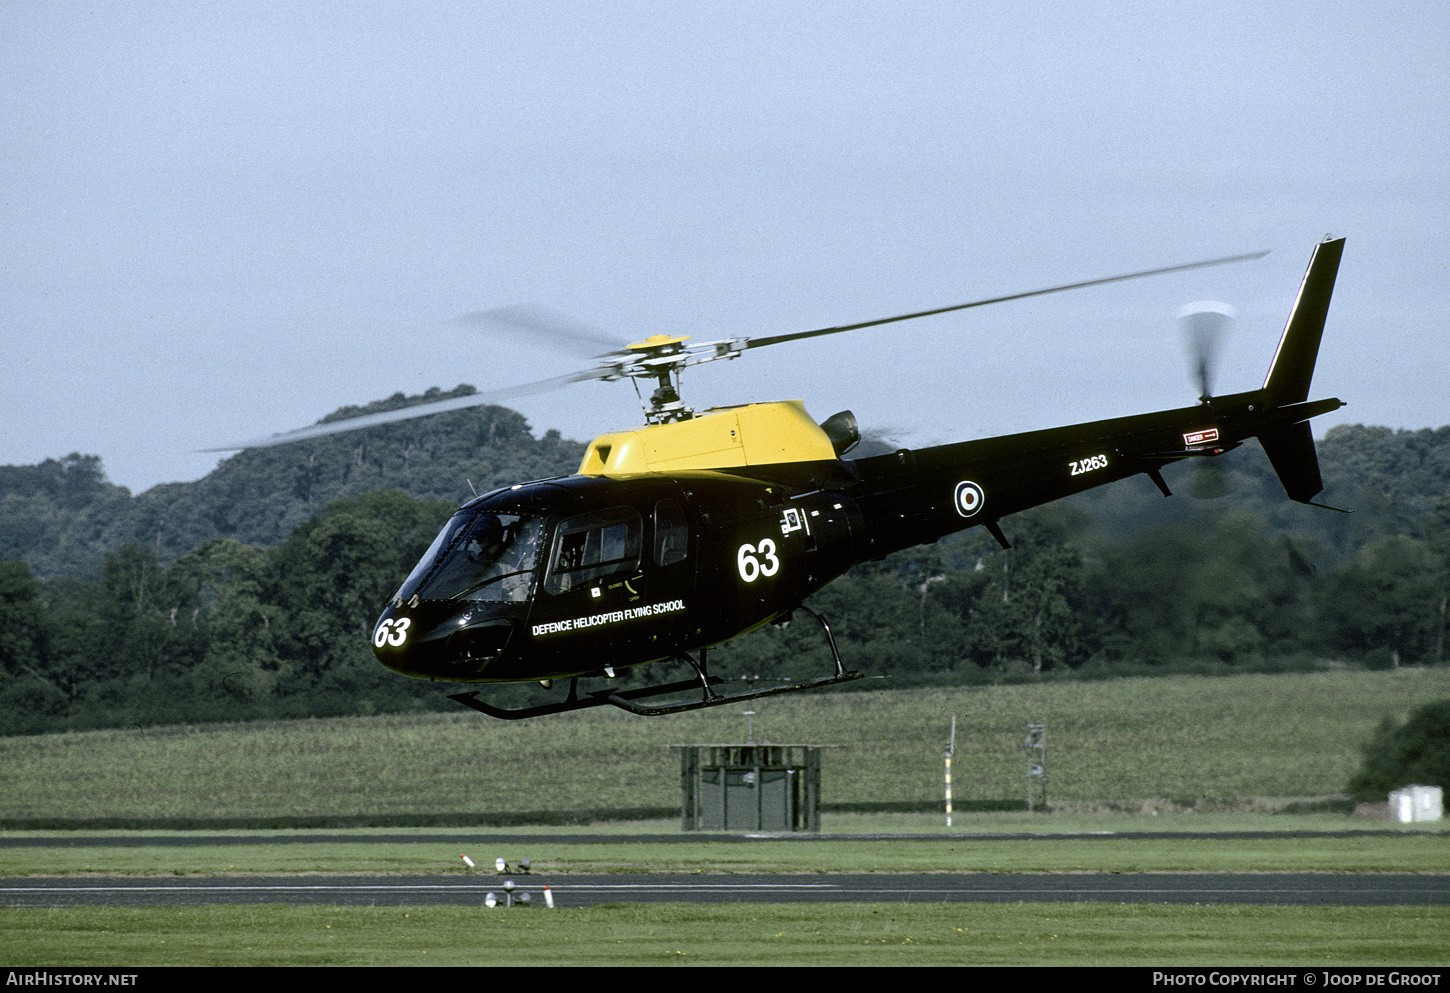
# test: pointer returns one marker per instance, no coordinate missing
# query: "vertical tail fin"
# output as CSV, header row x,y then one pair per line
x,y
1290,446
1293,366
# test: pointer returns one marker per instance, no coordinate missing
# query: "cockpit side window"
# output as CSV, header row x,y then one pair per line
x,y
593,547
672,535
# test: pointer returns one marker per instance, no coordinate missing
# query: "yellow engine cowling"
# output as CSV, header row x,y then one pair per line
x,y
720,438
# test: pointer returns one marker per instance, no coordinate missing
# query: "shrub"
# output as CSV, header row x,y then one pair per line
x,y
1414,753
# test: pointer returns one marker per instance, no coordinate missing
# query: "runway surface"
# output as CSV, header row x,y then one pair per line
x,y
580,890
577,890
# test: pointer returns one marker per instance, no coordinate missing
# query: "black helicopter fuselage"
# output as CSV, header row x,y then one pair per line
x,y
622,571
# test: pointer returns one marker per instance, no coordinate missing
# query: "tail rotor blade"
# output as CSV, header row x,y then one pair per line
x,y
1205,326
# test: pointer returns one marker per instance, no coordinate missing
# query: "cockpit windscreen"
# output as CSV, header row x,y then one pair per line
x,y
479,556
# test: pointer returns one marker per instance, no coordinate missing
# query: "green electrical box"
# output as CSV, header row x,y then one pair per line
x,y
750,787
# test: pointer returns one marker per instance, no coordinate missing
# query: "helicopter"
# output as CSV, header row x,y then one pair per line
x,y
699,527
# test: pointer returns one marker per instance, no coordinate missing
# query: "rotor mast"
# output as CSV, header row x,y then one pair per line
x,y
662,358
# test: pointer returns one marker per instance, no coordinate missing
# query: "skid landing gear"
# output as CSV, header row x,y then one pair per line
x,y
634,700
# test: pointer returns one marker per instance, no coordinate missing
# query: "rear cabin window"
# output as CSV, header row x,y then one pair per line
x,y
594,547
672,536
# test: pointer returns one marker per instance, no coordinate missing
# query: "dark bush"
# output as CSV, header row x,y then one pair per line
x,y
1414,753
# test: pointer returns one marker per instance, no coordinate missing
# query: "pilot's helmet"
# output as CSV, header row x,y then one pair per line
x,y
487,538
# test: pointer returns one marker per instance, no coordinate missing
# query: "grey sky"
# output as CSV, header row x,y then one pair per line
x,y
226,220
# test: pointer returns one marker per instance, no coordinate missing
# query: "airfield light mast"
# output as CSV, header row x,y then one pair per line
x,y
951,747
1036,745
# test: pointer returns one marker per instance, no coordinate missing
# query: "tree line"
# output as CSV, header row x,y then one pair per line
x,y
1228,575
228,631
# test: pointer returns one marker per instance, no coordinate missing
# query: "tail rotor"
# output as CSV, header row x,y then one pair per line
x,y
1205,325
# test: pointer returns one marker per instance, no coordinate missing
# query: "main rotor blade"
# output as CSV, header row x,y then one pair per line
x,y
778,338
408,413
544,325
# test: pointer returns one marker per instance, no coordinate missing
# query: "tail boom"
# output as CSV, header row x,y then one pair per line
x,y
912,497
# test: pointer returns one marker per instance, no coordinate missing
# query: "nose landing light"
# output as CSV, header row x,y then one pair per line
x,y
479,643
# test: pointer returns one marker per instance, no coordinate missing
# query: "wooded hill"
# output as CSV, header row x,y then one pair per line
x,y
250,593
62,516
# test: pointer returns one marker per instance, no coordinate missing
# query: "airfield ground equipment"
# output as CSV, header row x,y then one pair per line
x,y
750,787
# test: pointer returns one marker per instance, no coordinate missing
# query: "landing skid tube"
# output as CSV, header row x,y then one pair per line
x,y
626,699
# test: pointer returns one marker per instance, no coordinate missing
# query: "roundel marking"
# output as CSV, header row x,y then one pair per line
x,y
969,498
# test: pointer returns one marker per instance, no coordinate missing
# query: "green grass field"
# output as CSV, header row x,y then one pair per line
x,y
1083,934
1205,743
1406,850
1175,754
